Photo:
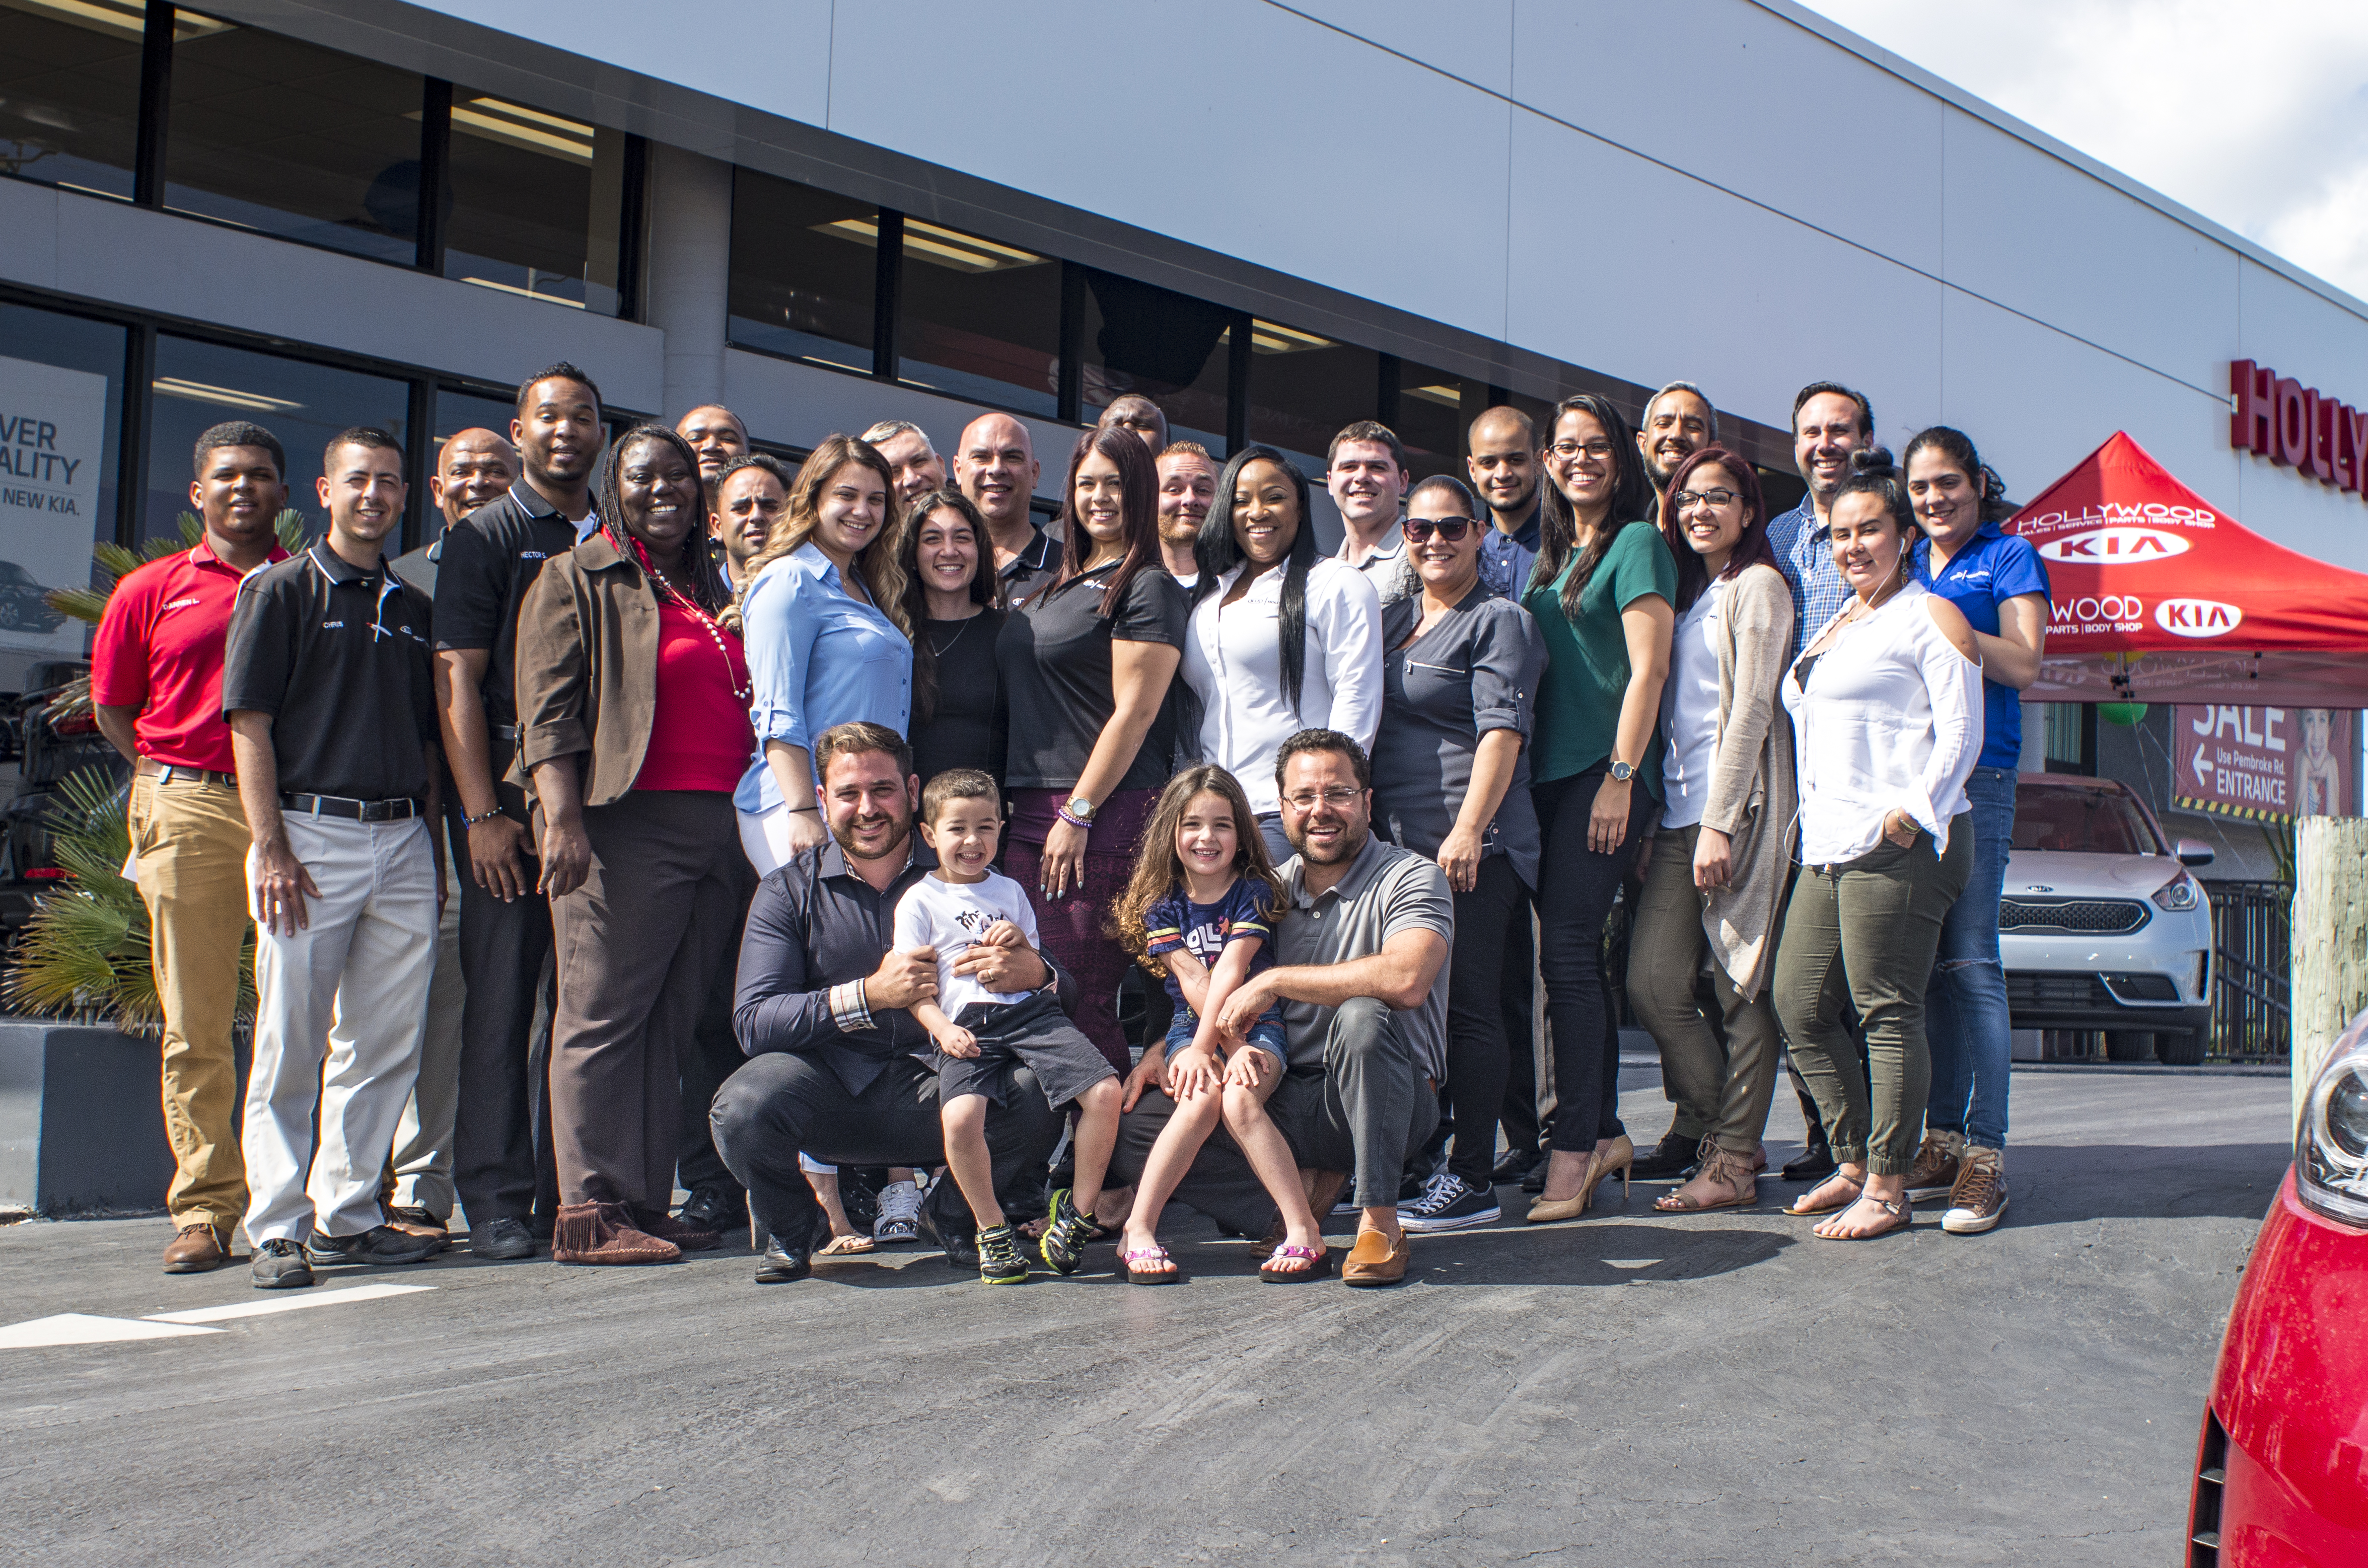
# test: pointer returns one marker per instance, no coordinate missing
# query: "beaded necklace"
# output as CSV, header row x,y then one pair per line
x,y
714,632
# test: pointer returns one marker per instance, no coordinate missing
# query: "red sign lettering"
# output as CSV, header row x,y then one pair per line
x,y
2297,426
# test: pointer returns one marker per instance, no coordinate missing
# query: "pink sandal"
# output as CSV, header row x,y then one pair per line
x,y
1318,1261
1168,1275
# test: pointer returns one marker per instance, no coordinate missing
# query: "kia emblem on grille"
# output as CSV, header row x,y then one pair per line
x,y
2039,887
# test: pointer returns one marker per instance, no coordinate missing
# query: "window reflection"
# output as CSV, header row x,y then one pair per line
x,y
69,91
981,319
1434,412
61,401
286,139
802,271
1304,388
1168,347
201,384
537,202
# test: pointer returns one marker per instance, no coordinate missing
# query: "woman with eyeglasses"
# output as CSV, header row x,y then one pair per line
x,y
1601,594
1715,882
1887,708
1282,639
1452,781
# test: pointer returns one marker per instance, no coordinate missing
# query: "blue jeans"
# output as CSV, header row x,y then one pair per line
x,y
1964,1006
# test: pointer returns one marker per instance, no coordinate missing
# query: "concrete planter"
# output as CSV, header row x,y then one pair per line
x,y
80,1127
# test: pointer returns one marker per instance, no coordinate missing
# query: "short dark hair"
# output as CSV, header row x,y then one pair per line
x,y
1872,472
765,461
562,371
1528,426
368,437
957,784
1368,430
1454,488
1819,389
1325,739
237,433
856,737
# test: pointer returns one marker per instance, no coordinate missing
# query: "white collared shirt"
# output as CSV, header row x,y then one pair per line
x,y
1232,659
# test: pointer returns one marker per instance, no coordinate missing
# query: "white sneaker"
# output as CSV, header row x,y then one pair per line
x,y
900,1213
1979,1201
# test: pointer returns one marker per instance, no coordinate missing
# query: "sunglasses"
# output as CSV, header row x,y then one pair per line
x,y
1452,530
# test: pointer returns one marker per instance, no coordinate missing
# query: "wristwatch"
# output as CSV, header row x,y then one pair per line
x,y
1078,807
1624,771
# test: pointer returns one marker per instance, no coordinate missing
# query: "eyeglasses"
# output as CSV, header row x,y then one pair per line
x,y
1567,449
1686,500
1307,802
1452,530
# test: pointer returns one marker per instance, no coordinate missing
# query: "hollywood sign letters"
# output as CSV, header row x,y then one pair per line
x,y
2288,422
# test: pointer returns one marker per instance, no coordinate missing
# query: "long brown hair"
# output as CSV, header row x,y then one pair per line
x,y
1750,549
1138,480
985,585
877,564
1159,870
1631,497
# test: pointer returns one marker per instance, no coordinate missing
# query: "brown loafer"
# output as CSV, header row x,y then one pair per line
x,y
1373,1261
197,1249
605,1233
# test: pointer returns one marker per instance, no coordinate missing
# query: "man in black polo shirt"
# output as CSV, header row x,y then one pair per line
x,y
996,466
489,563
331,707
837,1067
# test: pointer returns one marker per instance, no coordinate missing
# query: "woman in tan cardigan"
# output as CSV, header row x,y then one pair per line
x,y
1719,864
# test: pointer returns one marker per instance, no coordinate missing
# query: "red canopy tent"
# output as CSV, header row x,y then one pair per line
x,y
2161,597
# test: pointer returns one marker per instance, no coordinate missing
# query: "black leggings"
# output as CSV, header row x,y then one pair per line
x,y
1479,1056
1576,889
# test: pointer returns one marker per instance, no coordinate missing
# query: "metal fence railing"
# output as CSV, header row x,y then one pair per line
x,y
2253,986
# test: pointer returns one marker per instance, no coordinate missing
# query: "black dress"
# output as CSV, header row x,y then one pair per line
x,y
971,724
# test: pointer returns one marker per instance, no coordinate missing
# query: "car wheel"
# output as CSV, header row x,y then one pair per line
x,y
2185,1049
2129,1045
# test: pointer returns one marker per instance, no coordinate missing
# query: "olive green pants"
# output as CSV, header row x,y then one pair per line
x,y
1720,1090
1863,933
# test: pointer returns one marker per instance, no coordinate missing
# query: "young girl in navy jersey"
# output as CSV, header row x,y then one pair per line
x,y
1199,909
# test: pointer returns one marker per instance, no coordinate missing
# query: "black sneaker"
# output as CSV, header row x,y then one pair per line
x,y
503,1240
380,1243
1067,1231
279,1266
1450,1204
1000,1261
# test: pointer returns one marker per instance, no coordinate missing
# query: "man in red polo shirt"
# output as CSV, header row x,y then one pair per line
x,y
156,681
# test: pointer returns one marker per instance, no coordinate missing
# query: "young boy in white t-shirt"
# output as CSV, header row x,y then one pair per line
x,y
963,902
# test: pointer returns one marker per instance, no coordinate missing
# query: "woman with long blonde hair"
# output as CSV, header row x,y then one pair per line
x,y
828,638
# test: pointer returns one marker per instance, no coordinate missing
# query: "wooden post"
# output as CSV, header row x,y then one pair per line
x,y
2330,939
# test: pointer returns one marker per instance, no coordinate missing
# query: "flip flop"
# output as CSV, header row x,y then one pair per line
x,y
1319,1260
846,1247
1168,1275
1858,1191
1903,1217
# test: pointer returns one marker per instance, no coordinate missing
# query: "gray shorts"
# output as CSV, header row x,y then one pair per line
x,y
1035,1032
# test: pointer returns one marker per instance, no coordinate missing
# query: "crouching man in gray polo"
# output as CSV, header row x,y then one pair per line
x,y
331,706
1360,971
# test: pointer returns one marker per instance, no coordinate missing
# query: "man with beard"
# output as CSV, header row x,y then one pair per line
x,y
913,462
1360,965
717,436
837,1068
996,466
749,493
1187,484
490,561
1679,422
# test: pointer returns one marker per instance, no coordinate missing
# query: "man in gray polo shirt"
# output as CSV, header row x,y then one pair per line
x,y
1361,971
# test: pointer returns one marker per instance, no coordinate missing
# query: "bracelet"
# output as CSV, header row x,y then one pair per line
x,y
816,809
481,816
1063,812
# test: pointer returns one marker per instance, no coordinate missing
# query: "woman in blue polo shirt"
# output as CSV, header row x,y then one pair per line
x,y
2001,585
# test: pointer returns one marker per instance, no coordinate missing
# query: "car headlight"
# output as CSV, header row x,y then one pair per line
x,y
2179,893
2332,1148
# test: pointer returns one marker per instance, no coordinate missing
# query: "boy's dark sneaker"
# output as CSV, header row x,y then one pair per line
x,y
279,1266
1066,1234
1000,1261
1450,1204
380,1243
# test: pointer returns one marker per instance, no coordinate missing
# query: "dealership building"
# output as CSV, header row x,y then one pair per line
x,y
1274,220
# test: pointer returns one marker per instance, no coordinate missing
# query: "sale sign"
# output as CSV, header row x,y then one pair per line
x,y
2266,764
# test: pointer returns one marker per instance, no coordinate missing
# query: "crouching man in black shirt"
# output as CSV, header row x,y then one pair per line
x,y
837,1067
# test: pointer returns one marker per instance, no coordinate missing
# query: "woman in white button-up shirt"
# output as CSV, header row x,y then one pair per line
x,y
1281,639
1887,708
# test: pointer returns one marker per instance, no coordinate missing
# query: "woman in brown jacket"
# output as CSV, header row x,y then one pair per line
x,y
632,706
1719,863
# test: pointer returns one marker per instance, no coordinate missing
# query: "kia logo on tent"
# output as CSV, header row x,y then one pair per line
x,y
2122,546
2197,618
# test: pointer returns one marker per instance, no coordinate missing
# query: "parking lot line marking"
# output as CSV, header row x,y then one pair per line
x,y
286,1303
83,1328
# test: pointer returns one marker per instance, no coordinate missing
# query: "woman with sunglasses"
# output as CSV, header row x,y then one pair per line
x,y
1601,593
1452,781
1283,638
1716,879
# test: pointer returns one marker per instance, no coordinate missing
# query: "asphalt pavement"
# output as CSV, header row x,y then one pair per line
x,y
1628,1388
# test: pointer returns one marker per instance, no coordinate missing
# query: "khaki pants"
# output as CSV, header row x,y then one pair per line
x,y
190,839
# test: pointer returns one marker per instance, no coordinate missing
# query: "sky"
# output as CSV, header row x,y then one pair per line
x,y
2252,112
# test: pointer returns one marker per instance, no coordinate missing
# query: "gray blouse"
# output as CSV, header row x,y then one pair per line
x,y
1474,671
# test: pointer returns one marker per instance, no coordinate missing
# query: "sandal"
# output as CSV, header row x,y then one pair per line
x,y
1135,1275
1796,1209
1319,1260
846,1247
1720,1169
1902,1217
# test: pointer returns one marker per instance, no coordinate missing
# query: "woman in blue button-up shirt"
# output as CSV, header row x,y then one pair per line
x,y
824,622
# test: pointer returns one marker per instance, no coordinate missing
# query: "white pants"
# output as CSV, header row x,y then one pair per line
x,y
765,838
350,987
423,1142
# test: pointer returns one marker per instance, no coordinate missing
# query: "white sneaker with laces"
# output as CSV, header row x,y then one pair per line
x,y
900,1213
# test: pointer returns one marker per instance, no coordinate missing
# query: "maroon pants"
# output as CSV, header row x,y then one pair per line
x,y
1071,926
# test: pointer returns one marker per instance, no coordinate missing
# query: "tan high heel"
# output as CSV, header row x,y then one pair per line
x,y
1617,1156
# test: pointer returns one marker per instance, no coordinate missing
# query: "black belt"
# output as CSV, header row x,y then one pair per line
x,y
352,811
166,772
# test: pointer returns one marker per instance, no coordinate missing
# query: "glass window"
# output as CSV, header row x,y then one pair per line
x,y
457,411
2069,819
981,320
536,203
802,271
1433,419
1168,347
1304,387
61,401
302,143
201,384
70,91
